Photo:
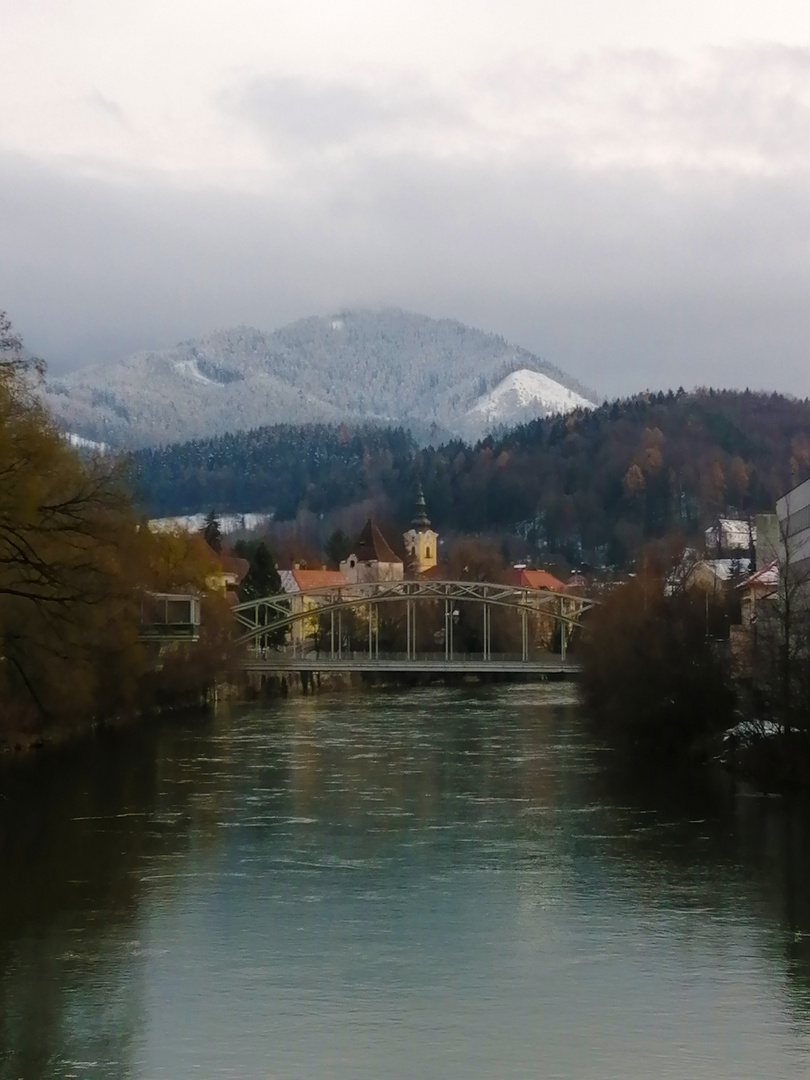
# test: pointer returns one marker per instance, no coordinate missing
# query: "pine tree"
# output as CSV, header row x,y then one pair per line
x,y
262,579
338,548
212,533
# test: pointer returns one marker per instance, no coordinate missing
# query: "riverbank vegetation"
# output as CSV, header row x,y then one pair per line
x,y
74,564
654,676
663,676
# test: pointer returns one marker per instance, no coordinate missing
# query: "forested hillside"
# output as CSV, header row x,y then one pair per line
x,y
434,376
592,485
280,469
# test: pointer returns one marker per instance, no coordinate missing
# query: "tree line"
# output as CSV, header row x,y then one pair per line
x,y
593,486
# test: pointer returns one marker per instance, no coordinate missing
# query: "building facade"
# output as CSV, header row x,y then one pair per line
x,y
793,515
372,559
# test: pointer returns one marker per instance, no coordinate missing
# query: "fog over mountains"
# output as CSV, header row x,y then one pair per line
x,y
435,376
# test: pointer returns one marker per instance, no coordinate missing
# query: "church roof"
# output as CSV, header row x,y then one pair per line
x,y
371,546
420,518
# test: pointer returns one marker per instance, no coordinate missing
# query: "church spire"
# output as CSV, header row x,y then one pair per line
x,y
420,519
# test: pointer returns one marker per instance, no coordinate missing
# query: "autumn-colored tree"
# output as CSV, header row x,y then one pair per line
x,y
175,560
181,561
74,565
652,675
473,559
68,612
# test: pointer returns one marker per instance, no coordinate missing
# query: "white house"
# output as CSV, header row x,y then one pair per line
x,y
730,534
371,559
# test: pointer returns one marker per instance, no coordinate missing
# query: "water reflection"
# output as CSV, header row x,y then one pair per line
x,y
440,883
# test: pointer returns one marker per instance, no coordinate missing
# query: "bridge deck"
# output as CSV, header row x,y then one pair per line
x,y
420,665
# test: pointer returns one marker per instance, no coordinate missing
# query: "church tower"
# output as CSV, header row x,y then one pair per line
x,y
421,542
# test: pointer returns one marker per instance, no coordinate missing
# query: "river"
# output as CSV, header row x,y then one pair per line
x,y
438,883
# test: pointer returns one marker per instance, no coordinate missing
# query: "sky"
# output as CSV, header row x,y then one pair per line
x,y
622,188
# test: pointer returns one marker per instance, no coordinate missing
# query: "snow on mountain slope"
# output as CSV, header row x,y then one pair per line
x,y
85,444
228,523
434,376
524,393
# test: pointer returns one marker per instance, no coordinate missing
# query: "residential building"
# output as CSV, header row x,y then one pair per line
x,y
728,535
296,583
713,575
760,586
522,577
228,575
544,623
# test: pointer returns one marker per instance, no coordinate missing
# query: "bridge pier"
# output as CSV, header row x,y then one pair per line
x,y
410,618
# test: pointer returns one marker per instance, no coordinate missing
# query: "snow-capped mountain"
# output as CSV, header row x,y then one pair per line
x,y
523,395
437,377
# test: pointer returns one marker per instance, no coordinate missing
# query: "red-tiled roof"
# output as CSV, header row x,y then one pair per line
x,y
767,577
318,579
534,579
371,546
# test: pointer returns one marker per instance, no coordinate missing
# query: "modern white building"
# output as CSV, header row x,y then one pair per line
x,y
793,515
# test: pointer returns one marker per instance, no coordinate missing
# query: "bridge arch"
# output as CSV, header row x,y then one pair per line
x,y
264,617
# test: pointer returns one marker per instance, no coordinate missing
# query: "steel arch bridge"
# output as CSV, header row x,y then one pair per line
x,y
265,618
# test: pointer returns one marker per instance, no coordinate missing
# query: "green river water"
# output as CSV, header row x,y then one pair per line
x,y
437,883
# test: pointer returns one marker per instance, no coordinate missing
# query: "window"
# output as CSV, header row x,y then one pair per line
x,y
427,552
798,521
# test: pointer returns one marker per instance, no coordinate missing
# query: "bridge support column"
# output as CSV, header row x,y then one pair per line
x,y
370,632
340,635
563,635
524,627
410,609
487,633
332,635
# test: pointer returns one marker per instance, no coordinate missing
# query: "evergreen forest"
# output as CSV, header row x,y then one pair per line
x,y
593,486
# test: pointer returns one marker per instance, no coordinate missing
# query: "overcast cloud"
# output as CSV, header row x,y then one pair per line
x,y
628,197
